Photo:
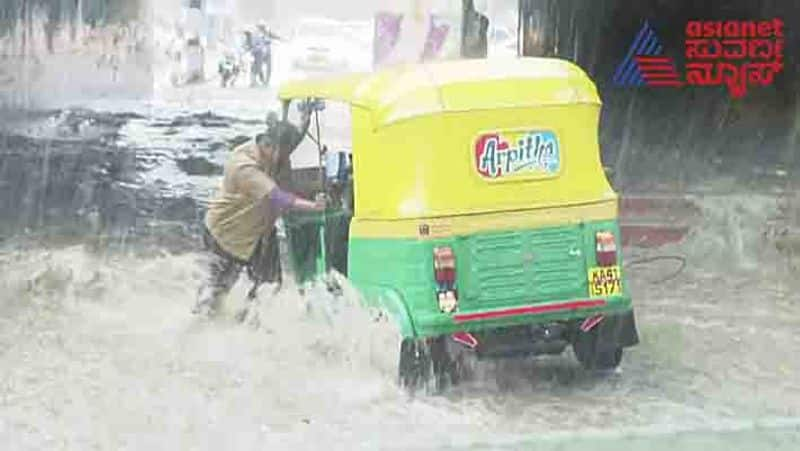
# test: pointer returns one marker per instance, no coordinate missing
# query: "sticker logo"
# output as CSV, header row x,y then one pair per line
x,y
424,230
503,154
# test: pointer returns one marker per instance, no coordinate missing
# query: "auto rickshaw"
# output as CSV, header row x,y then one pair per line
x,y
474,210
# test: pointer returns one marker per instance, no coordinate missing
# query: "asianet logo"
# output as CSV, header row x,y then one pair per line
x,y
735,53
504,154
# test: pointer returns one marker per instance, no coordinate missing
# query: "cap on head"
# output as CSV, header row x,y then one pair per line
x,y
272,119
283,135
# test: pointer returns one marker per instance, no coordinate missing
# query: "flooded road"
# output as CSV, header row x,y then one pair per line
x,y
101,352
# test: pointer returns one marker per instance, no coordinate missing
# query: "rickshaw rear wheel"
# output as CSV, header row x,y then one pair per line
x,y
425,365
592,355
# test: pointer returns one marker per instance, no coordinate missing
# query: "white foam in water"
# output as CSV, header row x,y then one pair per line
x,y
732,232
100,351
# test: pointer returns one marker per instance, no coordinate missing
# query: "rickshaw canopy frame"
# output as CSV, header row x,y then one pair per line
x,y
413,90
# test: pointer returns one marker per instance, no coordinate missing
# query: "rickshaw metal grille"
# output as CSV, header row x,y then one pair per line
x,y
519,268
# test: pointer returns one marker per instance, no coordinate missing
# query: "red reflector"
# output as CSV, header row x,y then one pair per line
x,y
589,323
606,250
466,339
445,275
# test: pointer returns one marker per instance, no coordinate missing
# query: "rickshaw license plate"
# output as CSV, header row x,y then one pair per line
x,y
605,281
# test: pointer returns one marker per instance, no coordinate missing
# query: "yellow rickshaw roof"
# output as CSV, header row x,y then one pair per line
x,y
407,91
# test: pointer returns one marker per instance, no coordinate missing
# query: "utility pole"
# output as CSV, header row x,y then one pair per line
x,y
77,21
27,49
474,31
24,19
194,19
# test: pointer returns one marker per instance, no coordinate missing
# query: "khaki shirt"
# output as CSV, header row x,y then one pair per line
x,y
240,214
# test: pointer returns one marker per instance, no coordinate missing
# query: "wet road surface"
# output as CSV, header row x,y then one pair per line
x,y
102,353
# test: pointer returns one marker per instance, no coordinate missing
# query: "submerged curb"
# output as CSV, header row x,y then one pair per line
x,y
772,434
656,220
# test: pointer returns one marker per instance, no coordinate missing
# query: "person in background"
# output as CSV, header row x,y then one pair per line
x,y
262,53
482,48
228,69
255,49
239,225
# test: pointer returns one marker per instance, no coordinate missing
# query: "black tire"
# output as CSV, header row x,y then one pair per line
x,y
592,356
426,366
414,368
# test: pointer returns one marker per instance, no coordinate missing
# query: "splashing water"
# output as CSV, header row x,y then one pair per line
x,y
732,232
108,340
100,351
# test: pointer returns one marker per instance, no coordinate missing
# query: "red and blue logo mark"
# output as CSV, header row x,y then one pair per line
x,y
736,54
645,63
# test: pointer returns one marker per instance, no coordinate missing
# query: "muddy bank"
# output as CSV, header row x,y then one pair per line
x,y
125,177
120,176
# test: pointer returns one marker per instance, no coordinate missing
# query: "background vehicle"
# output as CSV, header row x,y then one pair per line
x,y
480,219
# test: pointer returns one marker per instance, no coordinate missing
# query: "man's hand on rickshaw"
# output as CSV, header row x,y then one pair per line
x,y
318,104
320,201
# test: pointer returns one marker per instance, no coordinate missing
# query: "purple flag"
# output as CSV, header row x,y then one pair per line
x,y
387,33
437,33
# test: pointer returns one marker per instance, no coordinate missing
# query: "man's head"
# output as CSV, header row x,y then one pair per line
x,y
278,141
272,119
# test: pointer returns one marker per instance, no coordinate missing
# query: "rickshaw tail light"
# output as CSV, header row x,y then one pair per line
x,y
444,271
444,264
606,250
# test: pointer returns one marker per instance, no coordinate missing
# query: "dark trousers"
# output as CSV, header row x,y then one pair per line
x,y
261,70
221,269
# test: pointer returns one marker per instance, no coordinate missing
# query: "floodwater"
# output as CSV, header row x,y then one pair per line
x,y
100,352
